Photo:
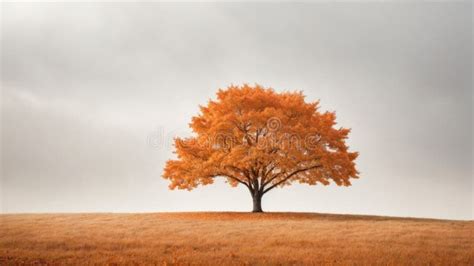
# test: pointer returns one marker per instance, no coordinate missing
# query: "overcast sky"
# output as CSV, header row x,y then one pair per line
x,y
92,95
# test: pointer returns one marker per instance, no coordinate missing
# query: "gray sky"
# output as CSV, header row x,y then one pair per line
x,y
92,95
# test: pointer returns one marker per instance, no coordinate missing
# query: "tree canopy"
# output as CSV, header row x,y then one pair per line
x,y
261,139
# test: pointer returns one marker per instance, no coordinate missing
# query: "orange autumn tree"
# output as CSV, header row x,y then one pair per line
x,y
261,139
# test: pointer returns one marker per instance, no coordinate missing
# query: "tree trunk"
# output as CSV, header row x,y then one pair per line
x,y
257,202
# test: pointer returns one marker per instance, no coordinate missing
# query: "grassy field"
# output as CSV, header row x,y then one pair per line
x,y
233,238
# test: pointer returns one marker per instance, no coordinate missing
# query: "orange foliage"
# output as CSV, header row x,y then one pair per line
x,y
262,139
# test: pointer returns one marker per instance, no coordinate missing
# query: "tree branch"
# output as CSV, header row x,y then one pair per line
x,y
232,177
289,176
271,179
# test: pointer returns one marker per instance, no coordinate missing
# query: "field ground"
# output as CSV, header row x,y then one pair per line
x,y
233,238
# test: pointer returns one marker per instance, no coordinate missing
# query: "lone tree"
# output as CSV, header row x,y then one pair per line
x,y
261,139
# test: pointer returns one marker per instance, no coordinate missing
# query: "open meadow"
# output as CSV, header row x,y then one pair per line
x,y
233,238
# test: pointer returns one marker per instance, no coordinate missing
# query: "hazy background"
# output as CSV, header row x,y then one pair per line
x,y
92,95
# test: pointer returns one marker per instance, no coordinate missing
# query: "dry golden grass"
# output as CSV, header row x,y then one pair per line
x,y
233,238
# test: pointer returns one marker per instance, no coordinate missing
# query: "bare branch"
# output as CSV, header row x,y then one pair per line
x,y
231,177
289,176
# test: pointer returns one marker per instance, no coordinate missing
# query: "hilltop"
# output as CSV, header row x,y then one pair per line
x,y
233,238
